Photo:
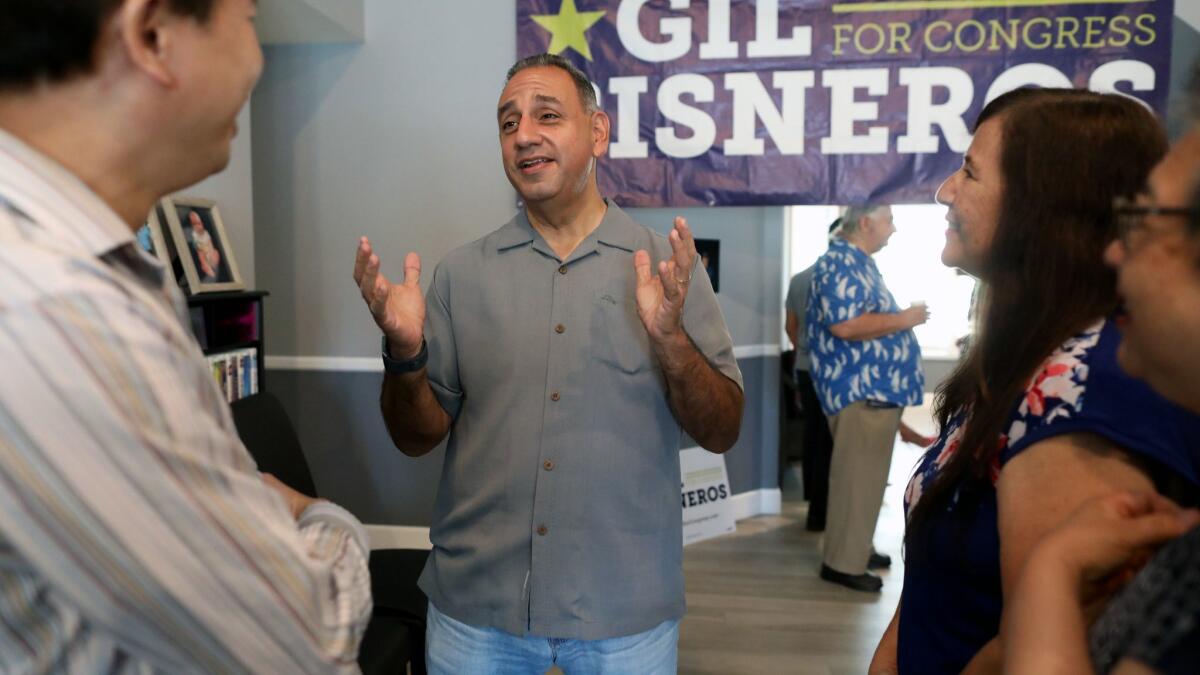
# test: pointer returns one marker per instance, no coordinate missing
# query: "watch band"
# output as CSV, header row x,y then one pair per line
x,y
400,367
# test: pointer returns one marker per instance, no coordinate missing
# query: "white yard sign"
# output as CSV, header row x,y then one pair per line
x,y
707,511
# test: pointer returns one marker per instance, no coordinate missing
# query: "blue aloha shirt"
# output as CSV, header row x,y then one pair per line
x,y
847,284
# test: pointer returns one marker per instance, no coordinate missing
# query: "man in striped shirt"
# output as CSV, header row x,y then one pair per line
x,y
136,534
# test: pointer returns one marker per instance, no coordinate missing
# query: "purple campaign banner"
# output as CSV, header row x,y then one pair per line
x,y
735,102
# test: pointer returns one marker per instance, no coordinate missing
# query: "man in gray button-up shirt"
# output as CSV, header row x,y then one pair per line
x,y
564,354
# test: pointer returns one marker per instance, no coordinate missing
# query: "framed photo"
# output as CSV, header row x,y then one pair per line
x,y
202,245
710,258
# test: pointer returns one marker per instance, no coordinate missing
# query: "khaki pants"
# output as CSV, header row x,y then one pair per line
x,y
863,439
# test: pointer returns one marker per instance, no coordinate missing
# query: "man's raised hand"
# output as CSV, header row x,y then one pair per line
x,y
660,297
398,309
915,315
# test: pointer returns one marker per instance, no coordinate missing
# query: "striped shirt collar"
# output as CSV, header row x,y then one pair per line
x,y
56,200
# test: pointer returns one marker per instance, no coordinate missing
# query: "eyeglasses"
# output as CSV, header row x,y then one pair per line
x,y
1130,217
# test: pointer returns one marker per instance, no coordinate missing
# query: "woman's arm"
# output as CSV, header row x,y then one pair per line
x,y
988,660
1047,483
1042,486
885,662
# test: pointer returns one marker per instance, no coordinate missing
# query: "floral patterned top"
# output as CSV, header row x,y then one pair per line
x,y
951,602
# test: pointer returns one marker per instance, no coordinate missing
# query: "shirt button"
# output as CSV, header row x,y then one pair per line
x,y
562,270
548,465
542,530
560,329
554,396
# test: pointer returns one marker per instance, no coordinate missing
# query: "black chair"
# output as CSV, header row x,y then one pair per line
x,y
394,641
791,420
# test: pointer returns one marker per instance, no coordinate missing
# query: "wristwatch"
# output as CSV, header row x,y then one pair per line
x,y
400,367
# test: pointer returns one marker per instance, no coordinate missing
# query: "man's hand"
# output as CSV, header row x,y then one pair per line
x,y
660,297
295,501
875,324
398,309
915,315
910,435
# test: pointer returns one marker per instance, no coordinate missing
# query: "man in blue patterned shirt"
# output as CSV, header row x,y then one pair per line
x,y
866,367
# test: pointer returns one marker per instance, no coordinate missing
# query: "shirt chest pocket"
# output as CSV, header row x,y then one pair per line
x,y
619,338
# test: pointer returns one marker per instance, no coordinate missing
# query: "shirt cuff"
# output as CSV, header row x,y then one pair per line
x,y
335,516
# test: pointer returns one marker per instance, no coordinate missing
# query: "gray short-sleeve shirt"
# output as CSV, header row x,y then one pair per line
x,y
558,512
797,303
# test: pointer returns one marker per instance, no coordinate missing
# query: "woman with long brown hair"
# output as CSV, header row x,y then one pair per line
x,y
1037,418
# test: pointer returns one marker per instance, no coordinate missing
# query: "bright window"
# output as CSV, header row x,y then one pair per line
x,y
910,264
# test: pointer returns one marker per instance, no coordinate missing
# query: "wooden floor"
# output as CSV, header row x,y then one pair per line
x,y
757,605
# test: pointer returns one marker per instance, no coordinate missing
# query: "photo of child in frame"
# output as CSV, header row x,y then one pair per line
x,y
204,244
204,259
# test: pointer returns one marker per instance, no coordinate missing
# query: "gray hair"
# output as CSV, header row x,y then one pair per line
x,y
854,214
587,94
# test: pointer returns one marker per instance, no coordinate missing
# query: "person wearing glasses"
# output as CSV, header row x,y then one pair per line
x,y
1038,418
1153,624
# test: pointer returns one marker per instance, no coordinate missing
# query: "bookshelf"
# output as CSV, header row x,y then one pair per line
x,y
230,322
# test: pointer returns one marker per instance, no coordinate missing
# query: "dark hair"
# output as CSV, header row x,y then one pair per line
x,y
587,94
55,40
1064,155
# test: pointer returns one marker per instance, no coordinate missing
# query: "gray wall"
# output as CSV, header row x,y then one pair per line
x,y
394,139
355,464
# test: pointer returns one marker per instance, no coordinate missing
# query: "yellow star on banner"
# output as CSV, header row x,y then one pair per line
x,y
567,28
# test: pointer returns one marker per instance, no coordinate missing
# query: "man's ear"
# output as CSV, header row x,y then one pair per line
x,y
601,126
865,224
144,31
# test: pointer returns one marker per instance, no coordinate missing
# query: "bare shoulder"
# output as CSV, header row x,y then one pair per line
x,y
1066,451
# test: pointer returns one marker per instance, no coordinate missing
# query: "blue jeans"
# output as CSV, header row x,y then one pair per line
x,y
454,648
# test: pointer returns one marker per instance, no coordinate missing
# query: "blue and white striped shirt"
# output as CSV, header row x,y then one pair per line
x,y
136,534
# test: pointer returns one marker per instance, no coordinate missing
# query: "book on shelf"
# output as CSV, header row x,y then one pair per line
x,y
236,372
